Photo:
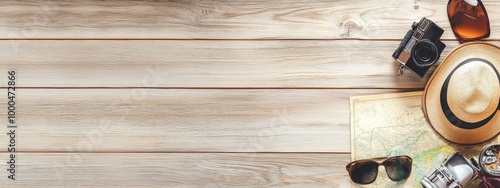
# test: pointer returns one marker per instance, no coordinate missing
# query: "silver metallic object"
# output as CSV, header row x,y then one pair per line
x,y
456,171
488,160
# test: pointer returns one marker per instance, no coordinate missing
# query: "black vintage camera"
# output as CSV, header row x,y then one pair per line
x,y
421,47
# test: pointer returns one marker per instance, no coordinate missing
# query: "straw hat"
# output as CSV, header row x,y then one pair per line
x,y
462,98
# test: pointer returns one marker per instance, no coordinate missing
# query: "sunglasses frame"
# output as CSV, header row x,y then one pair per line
x,y
486,35
486,181
379,161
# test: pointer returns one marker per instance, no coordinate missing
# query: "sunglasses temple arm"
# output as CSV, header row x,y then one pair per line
x,y
486,181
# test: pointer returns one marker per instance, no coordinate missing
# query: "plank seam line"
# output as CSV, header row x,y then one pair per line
x,y
179,152
225,88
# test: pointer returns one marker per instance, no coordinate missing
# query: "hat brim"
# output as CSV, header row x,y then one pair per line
x,y
432,95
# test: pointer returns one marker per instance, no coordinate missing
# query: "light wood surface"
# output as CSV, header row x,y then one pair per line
x,y
208,64
188,93
180,170
212,19
184,120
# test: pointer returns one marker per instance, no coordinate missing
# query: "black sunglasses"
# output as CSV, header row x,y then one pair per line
x,y
365,171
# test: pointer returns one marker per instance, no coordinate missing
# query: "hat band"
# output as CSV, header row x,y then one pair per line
x,y
452,118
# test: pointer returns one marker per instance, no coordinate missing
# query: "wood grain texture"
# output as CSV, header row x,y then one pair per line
x,y
177,120
189,93
179,170
207,64
213,19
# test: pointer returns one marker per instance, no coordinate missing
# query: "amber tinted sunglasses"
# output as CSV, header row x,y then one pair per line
x,y
468,19
365,171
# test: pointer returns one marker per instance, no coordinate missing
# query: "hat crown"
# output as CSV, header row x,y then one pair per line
x,y
473,92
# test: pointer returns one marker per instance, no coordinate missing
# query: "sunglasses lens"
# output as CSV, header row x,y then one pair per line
x,y
364,172
468,21
398,168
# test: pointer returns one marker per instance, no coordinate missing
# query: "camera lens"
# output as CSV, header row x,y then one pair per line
x,y
425,53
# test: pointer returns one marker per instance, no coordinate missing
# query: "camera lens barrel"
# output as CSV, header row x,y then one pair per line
x,y
456,171
425,53
439,177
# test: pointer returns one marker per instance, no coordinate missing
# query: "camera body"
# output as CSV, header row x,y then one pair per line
x,y
421,47
456,171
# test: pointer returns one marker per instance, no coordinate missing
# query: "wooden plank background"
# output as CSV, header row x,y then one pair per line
x,y
199,93
223,19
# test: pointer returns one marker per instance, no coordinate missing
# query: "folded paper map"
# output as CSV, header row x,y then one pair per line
x,y
394,124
